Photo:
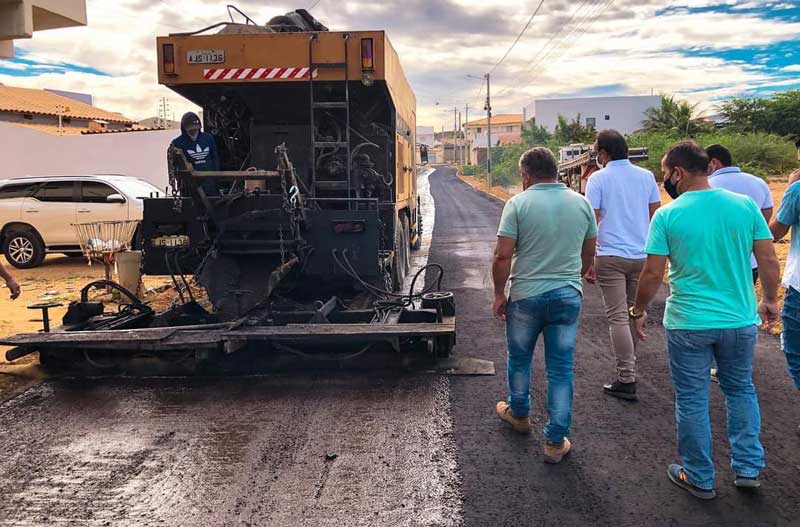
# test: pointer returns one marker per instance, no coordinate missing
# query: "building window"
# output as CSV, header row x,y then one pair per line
x,y
66,120
27,117
591,122
509,128
608,117
479,131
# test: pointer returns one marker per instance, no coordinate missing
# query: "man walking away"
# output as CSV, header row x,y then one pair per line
x,y
725,175
545,243
624,198
788,217
708,235
200,150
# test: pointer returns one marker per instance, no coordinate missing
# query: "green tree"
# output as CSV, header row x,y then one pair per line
x,y
747,115
675,117
534,135
785,115
569,132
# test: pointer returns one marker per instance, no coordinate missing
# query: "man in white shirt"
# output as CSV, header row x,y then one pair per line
x,y
624,198
722,174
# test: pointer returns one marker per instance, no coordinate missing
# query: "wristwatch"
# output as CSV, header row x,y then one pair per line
x,y
634,315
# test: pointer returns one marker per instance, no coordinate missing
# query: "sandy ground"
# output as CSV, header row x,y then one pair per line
x,y
58,280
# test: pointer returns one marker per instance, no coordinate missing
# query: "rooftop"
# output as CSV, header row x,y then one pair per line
x,y
501,119
40,102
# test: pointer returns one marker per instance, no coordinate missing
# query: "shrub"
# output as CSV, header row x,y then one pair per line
x,y
758,153
472,170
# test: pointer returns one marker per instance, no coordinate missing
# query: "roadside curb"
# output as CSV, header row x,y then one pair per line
x,y
476,186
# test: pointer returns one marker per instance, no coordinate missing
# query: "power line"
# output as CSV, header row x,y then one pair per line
x,y
584,16
524,29
595,6
591,16
314,5
557,33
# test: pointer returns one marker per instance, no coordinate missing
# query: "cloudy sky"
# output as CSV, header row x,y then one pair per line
x,y
701,50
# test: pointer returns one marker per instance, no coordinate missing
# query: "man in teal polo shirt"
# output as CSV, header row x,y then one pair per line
x,y
707,235
545,243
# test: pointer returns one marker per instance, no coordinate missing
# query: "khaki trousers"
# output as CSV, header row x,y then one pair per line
x,y
618,278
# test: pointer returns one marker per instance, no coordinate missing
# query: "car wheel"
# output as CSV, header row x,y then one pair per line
x,y
24,249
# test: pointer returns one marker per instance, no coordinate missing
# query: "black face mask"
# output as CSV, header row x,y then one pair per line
x,y
671,188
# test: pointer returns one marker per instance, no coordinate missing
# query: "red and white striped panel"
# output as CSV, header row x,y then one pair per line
x,y
243,74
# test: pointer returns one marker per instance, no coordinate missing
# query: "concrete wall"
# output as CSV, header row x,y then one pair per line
x,y
70,125
30,153
624,114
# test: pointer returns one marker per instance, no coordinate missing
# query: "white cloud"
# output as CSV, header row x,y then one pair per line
x,y
792,68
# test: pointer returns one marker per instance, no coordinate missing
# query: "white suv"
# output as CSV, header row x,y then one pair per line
x,y
37,213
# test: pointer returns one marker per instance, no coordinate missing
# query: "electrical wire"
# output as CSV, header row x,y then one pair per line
x,y
595,9
524,29
557,33
581,27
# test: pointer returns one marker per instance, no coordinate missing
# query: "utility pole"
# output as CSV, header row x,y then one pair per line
x,y
455,131
489,130
466,120
460,141
163,113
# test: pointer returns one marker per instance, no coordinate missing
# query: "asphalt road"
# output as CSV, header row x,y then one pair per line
x,y
616,474
353,449
334,448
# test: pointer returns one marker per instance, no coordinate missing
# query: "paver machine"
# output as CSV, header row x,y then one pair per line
x,y
307,244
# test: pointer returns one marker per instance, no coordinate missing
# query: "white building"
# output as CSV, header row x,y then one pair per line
x,y
624,114
425,135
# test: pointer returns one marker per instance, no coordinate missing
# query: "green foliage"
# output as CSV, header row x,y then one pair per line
x,y
758,153
779,114
785,115
746,115
536,136
472,170
675,117
569,132
505,160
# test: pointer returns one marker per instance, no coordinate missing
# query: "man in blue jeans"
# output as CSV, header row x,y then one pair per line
x,y
707,235
545,243
789,218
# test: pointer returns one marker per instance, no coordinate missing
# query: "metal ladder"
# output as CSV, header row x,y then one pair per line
x,y
317,146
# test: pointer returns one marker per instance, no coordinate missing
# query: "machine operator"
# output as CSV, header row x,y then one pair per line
x,y
200,150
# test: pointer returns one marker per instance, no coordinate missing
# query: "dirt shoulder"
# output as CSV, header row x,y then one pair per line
x,y
58,280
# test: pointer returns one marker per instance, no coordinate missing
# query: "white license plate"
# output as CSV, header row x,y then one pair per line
x,y
206,56
171,241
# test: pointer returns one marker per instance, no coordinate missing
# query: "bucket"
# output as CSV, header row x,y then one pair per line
x,y
129,270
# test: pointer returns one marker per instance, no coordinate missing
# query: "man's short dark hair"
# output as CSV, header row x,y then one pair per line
x,y
721,154
540,163
689,156
614,143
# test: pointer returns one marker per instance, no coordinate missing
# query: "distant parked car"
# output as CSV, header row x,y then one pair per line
x,y
37,213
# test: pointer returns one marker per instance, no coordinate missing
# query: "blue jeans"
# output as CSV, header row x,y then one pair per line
x,y
690,356
790,338
555,314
